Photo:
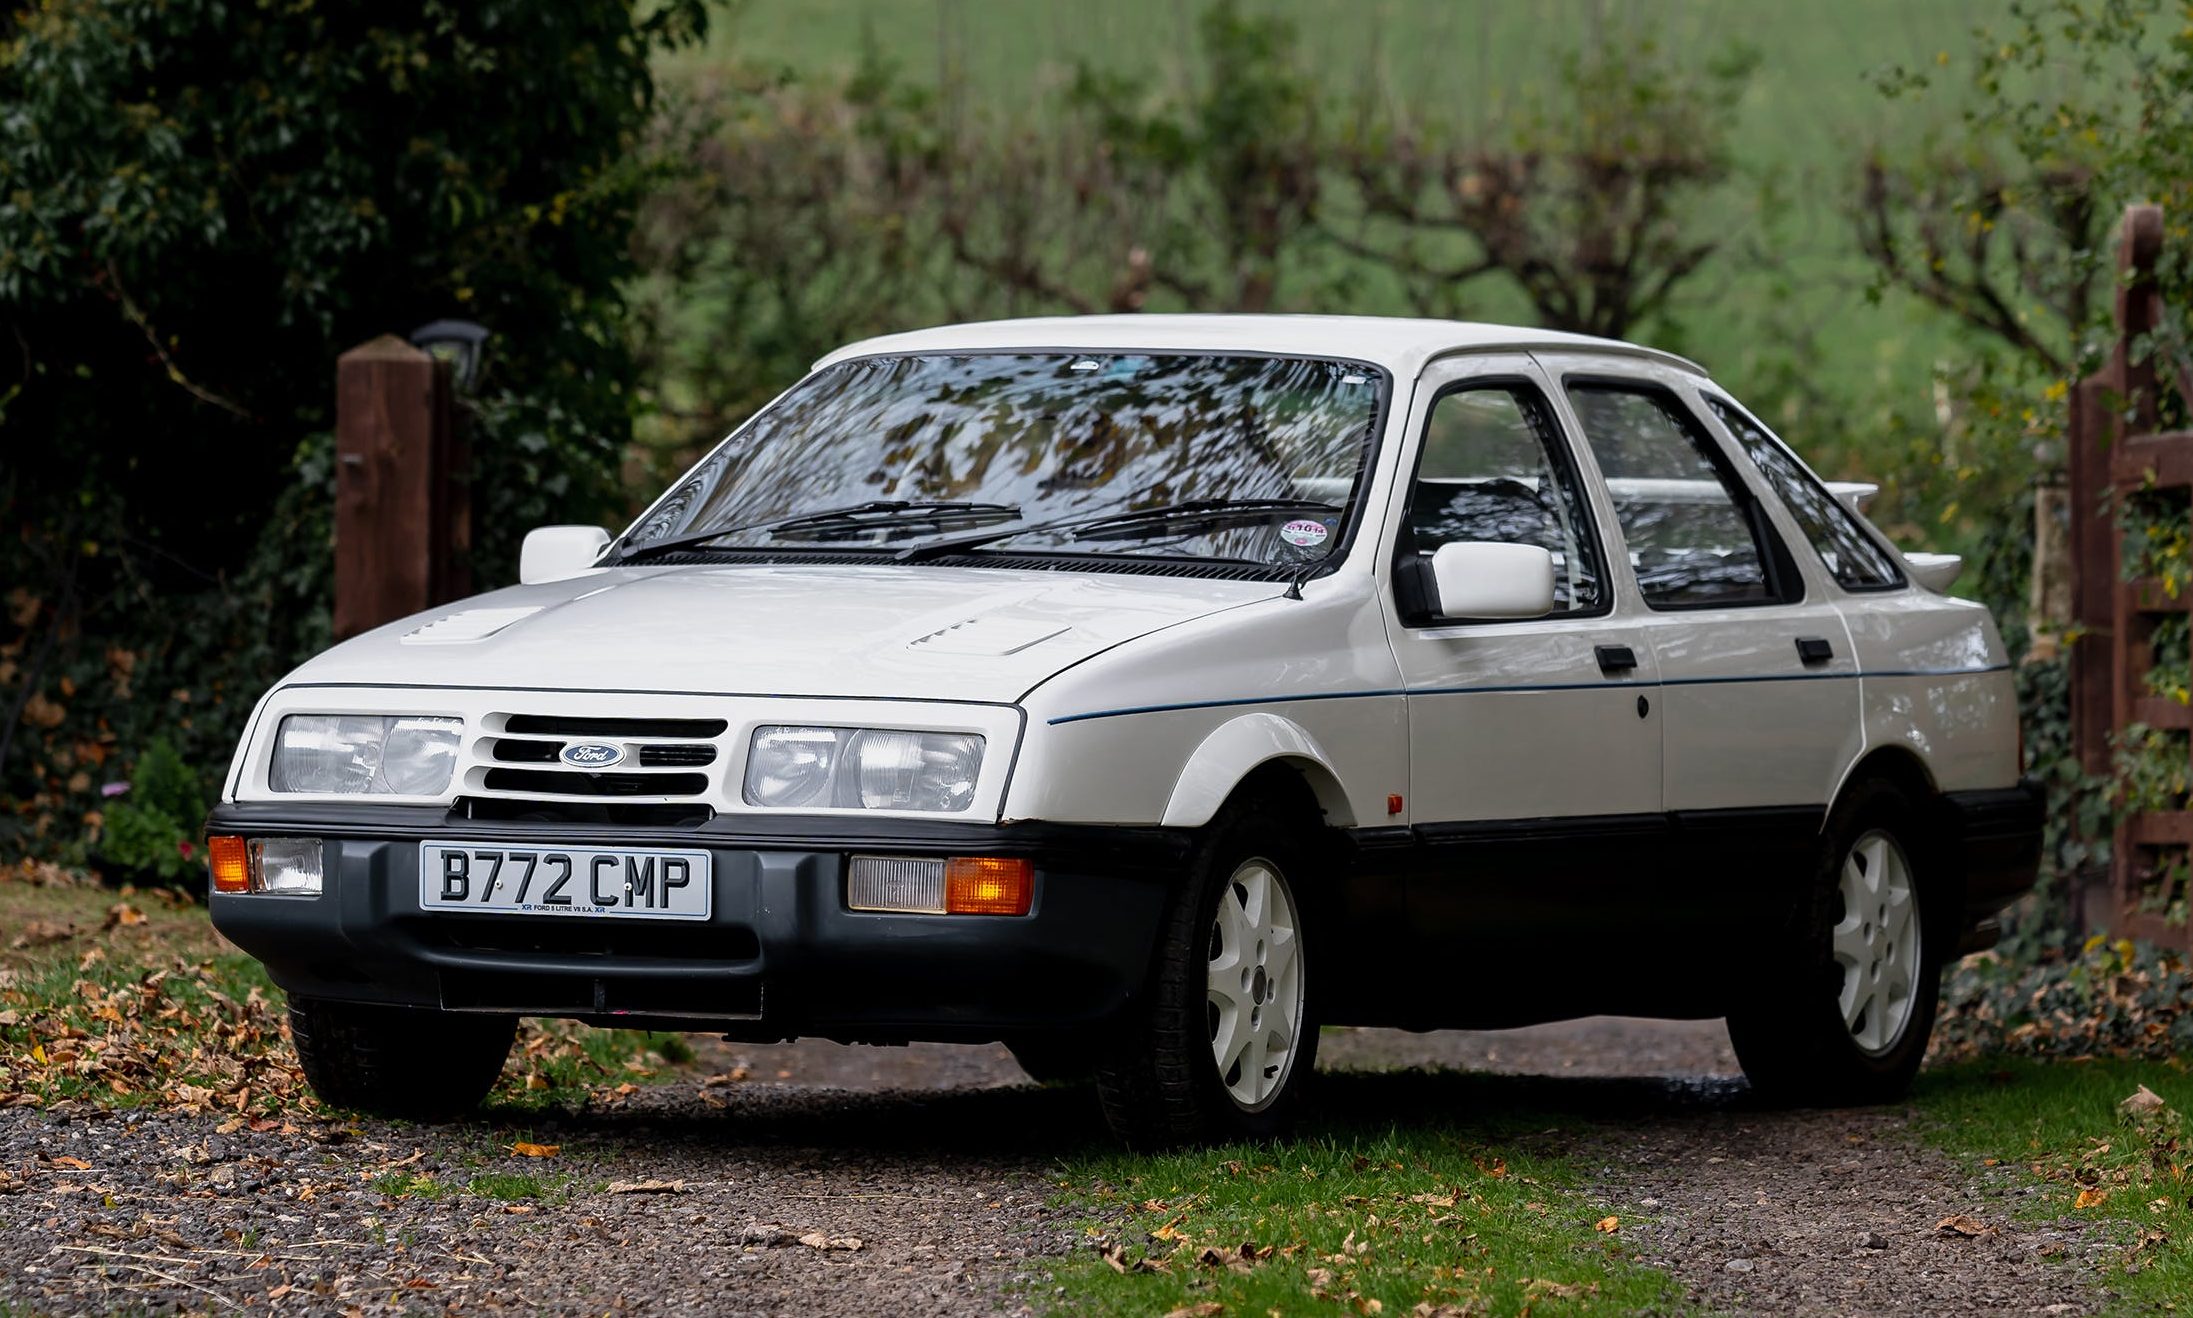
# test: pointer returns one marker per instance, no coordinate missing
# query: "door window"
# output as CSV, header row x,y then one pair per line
x,y
1493,468
1694,536
1851,556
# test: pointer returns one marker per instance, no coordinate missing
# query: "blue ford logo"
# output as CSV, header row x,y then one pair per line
x,y
592,755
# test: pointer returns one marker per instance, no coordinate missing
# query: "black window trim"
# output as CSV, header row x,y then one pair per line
x,y
1564,456
1780,565
1865,529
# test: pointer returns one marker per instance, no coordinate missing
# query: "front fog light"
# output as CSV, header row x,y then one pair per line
x,y
290,865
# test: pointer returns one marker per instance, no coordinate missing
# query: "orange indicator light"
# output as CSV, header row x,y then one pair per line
x,y
988,885
230,862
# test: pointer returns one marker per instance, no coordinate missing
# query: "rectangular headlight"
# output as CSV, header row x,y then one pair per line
x,y
862,769
290,865
372,754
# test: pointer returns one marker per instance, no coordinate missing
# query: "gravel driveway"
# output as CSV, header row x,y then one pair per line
x,y
815,1178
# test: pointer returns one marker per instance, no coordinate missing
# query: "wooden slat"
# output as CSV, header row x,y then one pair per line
x,y
2161,712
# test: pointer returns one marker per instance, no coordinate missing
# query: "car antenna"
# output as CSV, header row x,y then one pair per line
x,y
1300,574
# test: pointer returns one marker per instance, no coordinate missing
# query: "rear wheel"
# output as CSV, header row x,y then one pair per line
x,y
399,1061
1225,1039
1849,1021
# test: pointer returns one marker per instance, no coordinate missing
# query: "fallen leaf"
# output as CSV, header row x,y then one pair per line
x,y
2143,1101
1958,1224
1609,1224
2090,1198
1207,1309
73,1164
647,1187
1496,1169
525,1150
1541,1288
122,914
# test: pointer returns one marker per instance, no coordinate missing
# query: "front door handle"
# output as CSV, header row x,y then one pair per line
x,y
1615,658
1814,650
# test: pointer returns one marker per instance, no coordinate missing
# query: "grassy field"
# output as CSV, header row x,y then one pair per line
x,y
2091,1155
1455,1196
1809,110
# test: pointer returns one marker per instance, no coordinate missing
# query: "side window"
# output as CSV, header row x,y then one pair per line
x,y
1493,468
1689,524
1852,557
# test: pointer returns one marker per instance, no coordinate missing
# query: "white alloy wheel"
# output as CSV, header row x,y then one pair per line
x,y
1255,984
1877,942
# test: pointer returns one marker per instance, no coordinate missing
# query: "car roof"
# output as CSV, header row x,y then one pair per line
x,y
1403,346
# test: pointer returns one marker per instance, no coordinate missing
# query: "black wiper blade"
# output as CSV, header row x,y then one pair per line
x,y
896,512
1193,512
1196,512
878,512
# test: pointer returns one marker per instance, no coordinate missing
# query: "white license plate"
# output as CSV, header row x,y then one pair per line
x,y
598,881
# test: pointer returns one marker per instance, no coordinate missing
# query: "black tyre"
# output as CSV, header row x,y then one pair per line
x,y
1846,1018
399,1061
1223,1042
1055,1059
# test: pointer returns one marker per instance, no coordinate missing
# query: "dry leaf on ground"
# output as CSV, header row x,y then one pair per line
x,y
647,1187
1609,1224
1958,1224
525,1150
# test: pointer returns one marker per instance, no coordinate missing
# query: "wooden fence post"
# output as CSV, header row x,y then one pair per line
x,y
402,512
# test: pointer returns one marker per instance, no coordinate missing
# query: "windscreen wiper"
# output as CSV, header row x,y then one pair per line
x,y
873,514
1193,512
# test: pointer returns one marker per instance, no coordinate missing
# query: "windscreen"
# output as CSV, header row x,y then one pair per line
x,y
1035,446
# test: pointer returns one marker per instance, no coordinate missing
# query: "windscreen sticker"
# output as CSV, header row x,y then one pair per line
x,y
1304,532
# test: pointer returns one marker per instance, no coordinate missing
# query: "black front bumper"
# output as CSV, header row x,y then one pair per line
x,y
1996,838
779,955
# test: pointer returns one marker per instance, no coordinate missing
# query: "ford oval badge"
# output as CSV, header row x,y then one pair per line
x,y
591,755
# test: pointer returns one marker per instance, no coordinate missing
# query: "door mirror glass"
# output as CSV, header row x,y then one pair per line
x,y
552,553
1484,579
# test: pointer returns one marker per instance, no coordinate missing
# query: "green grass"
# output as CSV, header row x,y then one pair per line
x,y
2060,1122
1358,1216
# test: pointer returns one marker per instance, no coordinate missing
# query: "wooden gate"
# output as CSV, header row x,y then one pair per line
x,y
2120,462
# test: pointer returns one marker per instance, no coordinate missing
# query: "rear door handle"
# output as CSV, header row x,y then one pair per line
x,y
1814,650
1615,658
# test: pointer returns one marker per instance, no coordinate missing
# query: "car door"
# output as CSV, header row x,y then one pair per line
x,y
1757,667
1534,744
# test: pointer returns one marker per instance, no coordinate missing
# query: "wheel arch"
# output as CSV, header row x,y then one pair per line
x,y
1939,864
1254,746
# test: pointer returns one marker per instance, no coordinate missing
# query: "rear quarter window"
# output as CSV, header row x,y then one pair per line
x,y
1854,558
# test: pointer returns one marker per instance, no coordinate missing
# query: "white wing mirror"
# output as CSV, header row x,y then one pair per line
x,y
1483,579
1936,572
552,553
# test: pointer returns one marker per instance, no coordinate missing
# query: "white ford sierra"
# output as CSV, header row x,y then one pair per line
x,y
1147,692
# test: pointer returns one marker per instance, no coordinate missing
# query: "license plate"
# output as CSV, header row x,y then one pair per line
x,y
597,881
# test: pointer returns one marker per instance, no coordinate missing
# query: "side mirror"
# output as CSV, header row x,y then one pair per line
x,y
1484,579
552,553
1936,572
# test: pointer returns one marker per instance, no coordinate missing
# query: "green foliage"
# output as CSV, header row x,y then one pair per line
x,y
2104,999
152,831
201,204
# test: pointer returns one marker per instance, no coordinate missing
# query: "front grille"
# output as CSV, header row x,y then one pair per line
x,y
530,810
521,760
556,782
524,725
676,756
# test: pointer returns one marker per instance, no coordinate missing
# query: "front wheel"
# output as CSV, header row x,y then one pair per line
x,y
1849,1022
399,1061
1225,1039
